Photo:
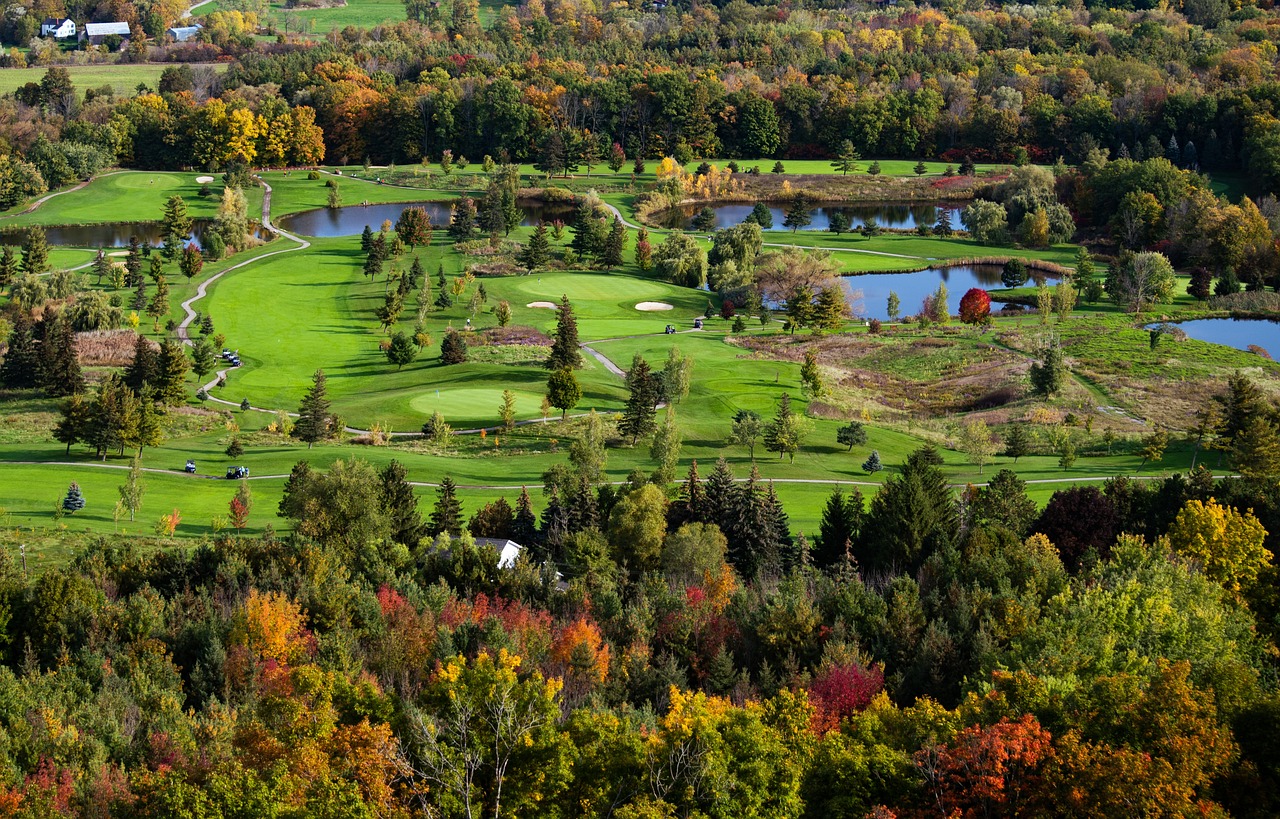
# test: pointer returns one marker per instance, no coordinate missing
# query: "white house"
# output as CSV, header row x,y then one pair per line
x,y
181,34
59,29
95,33
508,550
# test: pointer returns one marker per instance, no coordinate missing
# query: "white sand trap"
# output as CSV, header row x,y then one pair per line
x,y
203,179
653,306
547,304
119,253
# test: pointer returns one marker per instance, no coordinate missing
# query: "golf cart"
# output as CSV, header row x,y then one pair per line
x,y
234,472
671,329
190,467
697,324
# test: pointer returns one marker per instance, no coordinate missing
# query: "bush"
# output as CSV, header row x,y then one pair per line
x,y
873,326
313,175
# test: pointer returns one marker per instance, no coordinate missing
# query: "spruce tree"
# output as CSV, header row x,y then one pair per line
x,y
781,528
463,225
296,488
872,464
149,430
175,227
754,545
142,370
74,501
21,366
401,505
524,529
158,307
638,419
721,497
9,268
366,239
614,245
133,262
315,421
171,373
537,250
564,349
35,252
841,522
140,294
1017,442
446,517
59,365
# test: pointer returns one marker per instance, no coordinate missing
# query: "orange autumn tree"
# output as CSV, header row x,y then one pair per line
x,y
987,771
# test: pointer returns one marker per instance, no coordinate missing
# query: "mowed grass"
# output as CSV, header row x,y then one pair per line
x,y
293,192
293,314
123,78
358,13
130,196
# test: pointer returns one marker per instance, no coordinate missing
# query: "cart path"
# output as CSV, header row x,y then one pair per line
x,y
36,204
511,487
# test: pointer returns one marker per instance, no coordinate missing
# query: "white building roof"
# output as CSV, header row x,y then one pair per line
x,y
105,29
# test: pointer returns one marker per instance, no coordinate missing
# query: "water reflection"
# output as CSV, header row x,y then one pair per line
x,y
350,221
912,288
886,215
1238,333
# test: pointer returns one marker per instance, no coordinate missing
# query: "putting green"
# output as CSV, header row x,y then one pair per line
x,y
476,402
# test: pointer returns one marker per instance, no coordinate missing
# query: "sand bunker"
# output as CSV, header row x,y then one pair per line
x,y
653,306
547,304
204,179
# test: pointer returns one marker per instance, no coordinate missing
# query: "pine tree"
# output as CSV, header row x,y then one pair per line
x,y
446,517
537,250
101,267
149,430
614,245
524,529
140,294
59,364
872,464
847,159
20,368
35,252
8,266
780,526
366,240
1017,443
133,262
74,501
401,505
192,261
175,227
564,349
754,546
638,419
171,373
721,497
841,522
113,417
784,432
453,348
158,307
143,368
692,506
463,225
315,420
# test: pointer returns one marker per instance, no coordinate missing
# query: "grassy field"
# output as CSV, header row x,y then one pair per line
x,y
123,78
358,13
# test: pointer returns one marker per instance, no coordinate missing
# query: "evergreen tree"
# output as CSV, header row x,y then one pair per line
x,y
524,529
463,225
692,505
799,214
20,368
175,227
171,373
453,348
59,365
140,293
1048,374
9,268
838,531
721,497
132,490
158,307
101,267
142,370
754,546
589,231
74,423
914,515
204,359
401,505
785,432
537,251
74,501
446,517
872,464
35,252
639,417
1017,442
133,262
780,528
192,261
564,349
149,430
847,159
366,240
315,420
614,245
113,417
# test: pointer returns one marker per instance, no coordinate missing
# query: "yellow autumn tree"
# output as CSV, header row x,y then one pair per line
x,y
274,627
1226,544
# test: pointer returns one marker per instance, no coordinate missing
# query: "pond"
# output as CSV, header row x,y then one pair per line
x,y
326,223
913,287
113,234
887,215
1231,332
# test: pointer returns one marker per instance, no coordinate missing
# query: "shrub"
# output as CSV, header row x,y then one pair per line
x,y
313,175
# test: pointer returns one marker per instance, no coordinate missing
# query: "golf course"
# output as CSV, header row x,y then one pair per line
x,y
297,304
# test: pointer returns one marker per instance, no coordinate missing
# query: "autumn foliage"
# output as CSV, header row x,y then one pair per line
x,y
975,306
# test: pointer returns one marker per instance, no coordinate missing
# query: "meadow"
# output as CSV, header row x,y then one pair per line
x,y
122,78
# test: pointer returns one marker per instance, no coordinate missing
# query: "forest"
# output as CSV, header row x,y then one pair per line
x,y
574,463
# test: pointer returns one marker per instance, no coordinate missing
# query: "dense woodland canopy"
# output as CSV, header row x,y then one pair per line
x,y
663,650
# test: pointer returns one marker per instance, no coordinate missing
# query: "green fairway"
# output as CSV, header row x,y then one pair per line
x,y
129,196
123,78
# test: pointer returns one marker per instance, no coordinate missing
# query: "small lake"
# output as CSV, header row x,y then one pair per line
x,y
887,215
326,223
114,234
1238,333
913,287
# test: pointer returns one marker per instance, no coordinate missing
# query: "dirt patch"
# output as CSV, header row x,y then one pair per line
x,y
516,334
654,306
